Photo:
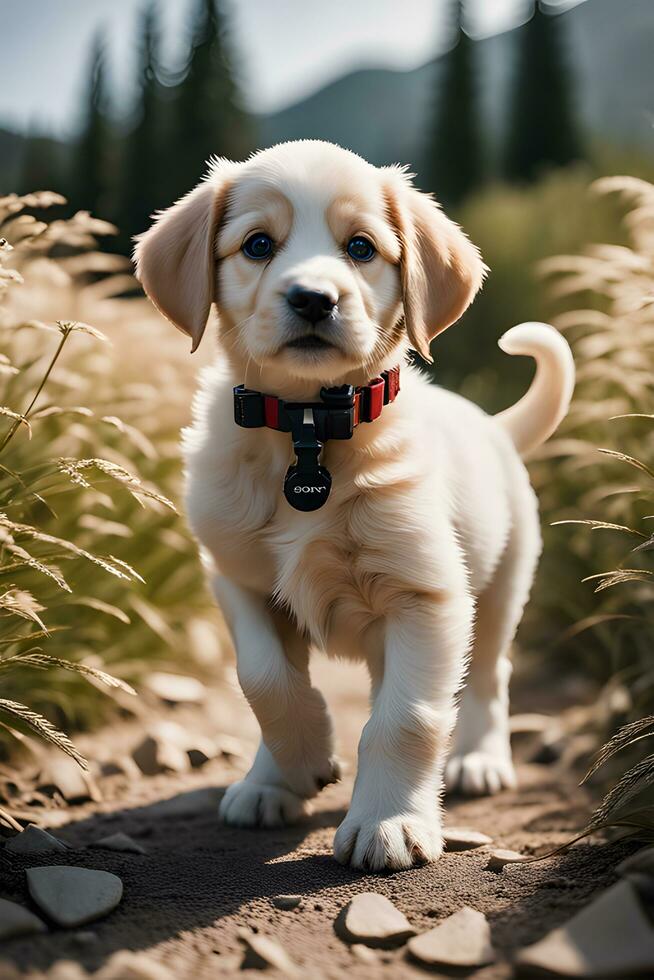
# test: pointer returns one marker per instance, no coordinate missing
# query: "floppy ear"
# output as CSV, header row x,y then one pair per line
x,y
175,259
441,270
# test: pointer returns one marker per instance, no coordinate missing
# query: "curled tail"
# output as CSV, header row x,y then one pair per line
x,y
543,407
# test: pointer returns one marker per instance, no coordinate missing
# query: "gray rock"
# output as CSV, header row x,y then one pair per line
x,y
641,861
33,840
373,920
464,839
287,902
15,920
155,754
263,953
118,842
74,896
461,940
611,937
500,857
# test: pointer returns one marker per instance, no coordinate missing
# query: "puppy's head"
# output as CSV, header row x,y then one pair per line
x,y
321,266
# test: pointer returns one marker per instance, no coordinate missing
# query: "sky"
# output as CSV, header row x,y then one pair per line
x,y
288,48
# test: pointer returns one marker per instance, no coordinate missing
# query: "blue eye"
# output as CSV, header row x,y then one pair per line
x,y
258,246
360,249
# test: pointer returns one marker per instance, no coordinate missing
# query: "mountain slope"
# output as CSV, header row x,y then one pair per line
x,y
383,114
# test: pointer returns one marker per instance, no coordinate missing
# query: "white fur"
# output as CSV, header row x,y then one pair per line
x,y
431,523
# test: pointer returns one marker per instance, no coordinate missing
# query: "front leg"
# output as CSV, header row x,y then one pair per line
x,y
394,819
294,761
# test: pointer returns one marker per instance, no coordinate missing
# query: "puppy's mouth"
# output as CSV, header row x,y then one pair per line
x,y
310,342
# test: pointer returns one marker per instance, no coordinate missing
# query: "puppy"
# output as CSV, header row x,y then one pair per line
x,y
324,272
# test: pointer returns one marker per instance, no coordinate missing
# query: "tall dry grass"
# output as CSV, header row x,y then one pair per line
x,y
96,566
599,549
596,469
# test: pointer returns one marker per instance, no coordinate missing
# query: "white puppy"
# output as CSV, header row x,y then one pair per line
x,y
324,271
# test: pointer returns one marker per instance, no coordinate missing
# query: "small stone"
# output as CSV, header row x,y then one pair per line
x,y
230,747
463,839
177,688
67,970
363,953
550,749
15,920
63,775
500,857
229,964
287,902
198,748
611,937
373,920
125,965
154,755
461,940
73,896
118,842
641,861
33,840
263,953
123,766
644,886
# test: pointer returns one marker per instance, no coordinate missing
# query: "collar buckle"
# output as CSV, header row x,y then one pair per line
x,y
339,414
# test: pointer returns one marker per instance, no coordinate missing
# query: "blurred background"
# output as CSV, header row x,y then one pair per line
x,y
504,110
531,122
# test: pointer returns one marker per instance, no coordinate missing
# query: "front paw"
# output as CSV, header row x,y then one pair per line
x,y
251,804
394,843
479,773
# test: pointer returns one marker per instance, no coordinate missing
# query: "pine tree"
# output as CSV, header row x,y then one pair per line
x,y
542,130
455,164
209,119
89,186
40,166
143,161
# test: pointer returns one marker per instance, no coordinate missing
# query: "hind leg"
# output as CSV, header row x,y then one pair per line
x,y
480,759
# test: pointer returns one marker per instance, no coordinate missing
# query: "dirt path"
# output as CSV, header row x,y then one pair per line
x,y
198,884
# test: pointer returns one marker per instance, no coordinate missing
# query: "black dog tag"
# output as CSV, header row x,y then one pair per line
x,y
307,490
307,483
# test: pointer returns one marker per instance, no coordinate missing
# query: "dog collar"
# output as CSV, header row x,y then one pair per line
x,y
340,410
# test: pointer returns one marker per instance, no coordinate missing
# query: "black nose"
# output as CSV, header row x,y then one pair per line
x,y
310,304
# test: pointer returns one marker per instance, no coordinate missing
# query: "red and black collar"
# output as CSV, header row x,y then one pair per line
x,y
307,483
335,416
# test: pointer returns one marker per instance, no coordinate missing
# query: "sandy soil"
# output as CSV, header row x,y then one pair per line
x,y
199,883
